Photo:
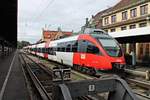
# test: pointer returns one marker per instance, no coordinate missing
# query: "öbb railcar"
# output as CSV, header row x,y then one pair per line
x,y
88,51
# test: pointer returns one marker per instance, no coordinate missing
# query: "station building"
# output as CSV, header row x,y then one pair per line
x,y
50,35
125,16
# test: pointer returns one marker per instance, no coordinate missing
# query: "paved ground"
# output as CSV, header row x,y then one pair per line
x,y
5,62
12,85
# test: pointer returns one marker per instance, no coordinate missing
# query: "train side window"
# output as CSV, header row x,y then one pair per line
x,y
35,49
46,50
91,48
50,50
43,50
39,50
62,49
75,46
68,47
53,50
82,46
58,48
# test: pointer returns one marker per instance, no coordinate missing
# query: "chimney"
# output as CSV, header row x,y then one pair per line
x,y
86,21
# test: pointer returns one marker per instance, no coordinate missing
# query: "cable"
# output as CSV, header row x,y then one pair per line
x,y
44,9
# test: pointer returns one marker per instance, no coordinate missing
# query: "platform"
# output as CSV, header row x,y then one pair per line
x,y
12,82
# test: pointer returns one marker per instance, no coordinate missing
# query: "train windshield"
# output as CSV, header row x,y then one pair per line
x,y
111,46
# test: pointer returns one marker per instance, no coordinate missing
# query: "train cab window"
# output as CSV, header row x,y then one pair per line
x,y
91,48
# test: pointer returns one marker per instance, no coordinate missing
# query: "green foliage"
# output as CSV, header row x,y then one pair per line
x,y
21,44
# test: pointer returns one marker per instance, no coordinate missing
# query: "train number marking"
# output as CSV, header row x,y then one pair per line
x,y
91,88
82,56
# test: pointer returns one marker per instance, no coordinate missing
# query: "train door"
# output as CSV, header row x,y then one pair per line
x,y
46,50
93,55
82,45
89,54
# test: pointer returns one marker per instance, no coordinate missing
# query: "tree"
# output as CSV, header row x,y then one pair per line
x,y
22,44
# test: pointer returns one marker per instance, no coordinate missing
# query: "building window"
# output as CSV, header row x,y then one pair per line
x,y
143,24
113,30
113,19
106,20
144,9
132,26
133,13
124,15
123,28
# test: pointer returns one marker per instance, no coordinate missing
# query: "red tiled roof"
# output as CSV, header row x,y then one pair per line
x,y
121,4
102,12
124,3
47,34
67,33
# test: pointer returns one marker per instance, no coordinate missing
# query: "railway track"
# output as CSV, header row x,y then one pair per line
x,y
83,76
139,84
40,78
140,88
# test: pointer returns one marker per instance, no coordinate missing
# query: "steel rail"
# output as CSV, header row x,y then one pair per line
x,y
74,72
43,93
139,83
145,85
142,84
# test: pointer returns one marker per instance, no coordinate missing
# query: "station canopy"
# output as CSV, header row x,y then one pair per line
x,y
136,35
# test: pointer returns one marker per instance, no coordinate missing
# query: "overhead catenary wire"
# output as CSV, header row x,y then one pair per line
x,y
44,9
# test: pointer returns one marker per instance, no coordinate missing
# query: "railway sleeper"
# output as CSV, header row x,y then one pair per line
x,y
46,82
48,88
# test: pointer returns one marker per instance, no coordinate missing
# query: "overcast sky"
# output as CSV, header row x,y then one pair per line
x,y
33,15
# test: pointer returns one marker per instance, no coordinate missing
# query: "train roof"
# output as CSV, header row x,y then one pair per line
x,y
91,30
71,38
101,36
41,45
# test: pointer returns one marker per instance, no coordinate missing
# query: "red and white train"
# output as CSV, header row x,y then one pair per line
x,y
91,51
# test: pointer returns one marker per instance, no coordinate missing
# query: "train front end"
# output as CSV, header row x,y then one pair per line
x,y
113,53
